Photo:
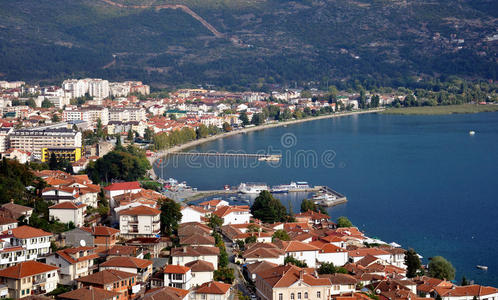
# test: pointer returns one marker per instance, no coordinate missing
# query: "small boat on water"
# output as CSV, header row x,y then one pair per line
x,y
484,268
472,132
252,188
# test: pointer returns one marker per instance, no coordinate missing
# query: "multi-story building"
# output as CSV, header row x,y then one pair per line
x,y
291,282
22,244
141,267
127,114
73,263
98,88
28,278
90,114
121,282
140,221
71,154
213,290
68,211
177,276
4,138
34,140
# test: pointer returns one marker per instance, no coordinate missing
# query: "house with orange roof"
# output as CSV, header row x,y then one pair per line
x,y
177,276
202,271
141,267
88,293
140,221
197,239
467,292
120,188
29,241
185,254
73,263
291,283
341,284
312,217
7,223
234,214
67,212
300,251
268,252
192,213
29,278
168,293
426,285
331,253
358,254
213,204
123,283
212,290
16,211
98,236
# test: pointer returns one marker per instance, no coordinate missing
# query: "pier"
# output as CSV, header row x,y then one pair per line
x,y
254,155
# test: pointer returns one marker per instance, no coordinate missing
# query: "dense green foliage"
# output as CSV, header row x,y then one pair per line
x,y
295,262
308,204
440,268
268,209
377,43
215,222
128,164
329,268
166,140
412,262
171,215
281,235
14,178
344,222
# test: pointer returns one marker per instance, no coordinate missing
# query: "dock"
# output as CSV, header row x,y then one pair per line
x,y
231,154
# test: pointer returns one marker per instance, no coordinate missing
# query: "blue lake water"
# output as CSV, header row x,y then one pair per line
x,y
421,181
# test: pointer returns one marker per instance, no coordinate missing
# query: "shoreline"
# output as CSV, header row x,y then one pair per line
x,y
208,139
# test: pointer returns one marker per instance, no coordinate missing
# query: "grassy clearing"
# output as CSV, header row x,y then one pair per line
x,y
442,110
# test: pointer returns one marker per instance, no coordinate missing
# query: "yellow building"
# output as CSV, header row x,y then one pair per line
x,y
63,153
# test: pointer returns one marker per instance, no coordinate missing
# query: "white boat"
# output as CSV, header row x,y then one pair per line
x,y
283,188
484,268
472,132
253,188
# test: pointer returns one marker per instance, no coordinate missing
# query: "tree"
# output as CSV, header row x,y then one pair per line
x,y
99,130
257,119
227,127
308,204
295,262
129,136
202,131
224,274
55,118
53,164
250,239
374,102
464,281
327,268
440,268
268,209
281,235
344,222
148,134
215,222
412,262
171,215
243,118
47,104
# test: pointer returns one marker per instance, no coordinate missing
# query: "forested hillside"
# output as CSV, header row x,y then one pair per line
x,y
379,42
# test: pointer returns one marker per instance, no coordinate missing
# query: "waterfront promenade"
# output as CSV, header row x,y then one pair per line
x,y
165,152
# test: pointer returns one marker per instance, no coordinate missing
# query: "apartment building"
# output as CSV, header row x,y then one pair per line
x,y
23,243
140,221
4,138
121,282
68,211
73,263
29,278
34,140
127,114
90,114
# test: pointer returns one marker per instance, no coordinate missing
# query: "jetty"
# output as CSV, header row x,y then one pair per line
x,y
231,154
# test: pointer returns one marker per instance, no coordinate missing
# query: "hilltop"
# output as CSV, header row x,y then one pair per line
x,y
238,43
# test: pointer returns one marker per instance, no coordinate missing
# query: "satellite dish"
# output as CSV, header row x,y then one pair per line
x,y
82,243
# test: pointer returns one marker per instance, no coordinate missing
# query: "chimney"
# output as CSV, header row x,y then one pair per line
x,y
301,273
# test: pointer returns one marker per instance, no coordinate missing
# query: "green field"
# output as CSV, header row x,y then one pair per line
x,y
442,109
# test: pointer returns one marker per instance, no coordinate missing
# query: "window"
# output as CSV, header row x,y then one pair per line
x,y
299,295
305,295
318,294
280,296
292,296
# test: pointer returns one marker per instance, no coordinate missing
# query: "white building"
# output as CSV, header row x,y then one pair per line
x,y
234,214
120,188
192,214
73,263
177,276
202,271
90,114
140,221
29,277
4,138
22,244
186,254
68,211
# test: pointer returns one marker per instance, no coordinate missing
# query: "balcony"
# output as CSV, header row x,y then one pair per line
x,y
39,280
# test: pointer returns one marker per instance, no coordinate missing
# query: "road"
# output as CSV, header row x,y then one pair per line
x,y
239,281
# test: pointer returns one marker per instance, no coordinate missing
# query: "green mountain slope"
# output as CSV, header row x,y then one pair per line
x,y
237,42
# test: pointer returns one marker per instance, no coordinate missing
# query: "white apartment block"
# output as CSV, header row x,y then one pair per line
x,y
34,140
90,114
127,114
4,139
73,263
97,88
140,221
22,244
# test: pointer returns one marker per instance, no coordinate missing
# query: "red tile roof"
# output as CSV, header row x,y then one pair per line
x,y
166,293
141,210
213,287
89,293
200,266
123,186
27,232
67,205
101,230
285,276
26,268
127,262
106,277
175,269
